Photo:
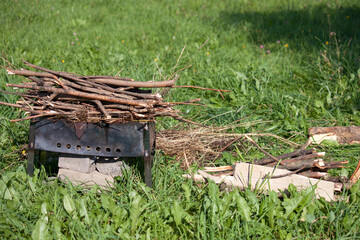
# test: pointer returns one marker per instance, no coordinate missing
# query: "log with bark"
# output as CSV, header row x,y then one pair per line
x,y
290,167
55,94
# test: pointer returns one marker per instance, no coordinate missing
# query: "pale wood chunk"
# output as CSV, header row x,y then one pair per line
x,y
252,175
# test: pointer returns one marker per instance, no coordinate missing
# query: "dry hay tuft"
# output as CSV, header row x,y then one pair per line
x,y
198,145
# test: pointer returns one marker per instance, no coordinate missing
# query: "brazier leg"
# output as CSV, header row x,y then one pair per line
x,y
147,167
31,151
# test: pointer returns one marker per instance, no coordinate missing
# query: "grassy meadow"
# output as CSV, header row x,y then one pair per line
x,y
290,65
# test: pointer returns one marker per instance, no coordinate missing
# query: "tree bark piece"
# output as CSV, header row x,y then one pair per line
x,y
340,135
356,175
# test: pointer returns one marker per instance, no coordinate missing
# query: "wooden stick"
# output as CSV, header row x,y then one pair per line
x,y
296,153
305,157
107,77
229,144
261,149
20,94
121,83
10,104
84,95
102,109
28,73
99,91
34,116
306,164
62,74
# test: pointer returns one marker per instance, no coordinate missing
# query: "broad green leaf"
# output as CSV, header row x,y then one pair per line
x,y
43,208
213,191
108,202
319,103
310,218
243,208
68,204
331,216
32,185
290,204
187,191
44,211
252,199
7,194
328,98
137,204
57,227
40,230
83,212
329,143
227,200
177,213
344,172
12,204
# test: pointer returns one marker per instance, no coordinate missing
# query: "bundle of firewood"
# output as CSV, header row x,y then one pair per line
x,y
307,162
91,99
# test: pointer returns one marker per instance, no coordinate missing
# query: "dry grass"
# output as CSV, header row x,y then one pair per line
x,y
200,144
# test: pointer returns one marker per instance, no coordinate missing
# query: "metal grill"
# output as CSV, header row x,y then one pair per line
x,y
135,139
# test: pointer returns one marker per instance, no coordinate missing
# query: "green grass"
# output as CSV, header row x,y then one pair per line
x,y
290,65
175,208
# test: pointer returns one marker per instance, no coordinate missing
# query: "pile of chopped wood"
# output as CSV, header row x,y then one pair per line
x,y
91,99
302,168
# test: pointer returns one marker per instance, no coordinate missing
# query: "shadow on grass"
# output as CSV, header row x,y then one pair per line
x,y
305,29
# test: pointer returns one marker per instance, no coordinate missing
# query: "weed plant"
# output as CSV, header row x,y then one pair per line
x,y
290,65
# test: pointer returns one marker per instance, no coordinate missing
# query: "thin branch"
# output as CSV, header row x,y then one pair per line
x,y
261,149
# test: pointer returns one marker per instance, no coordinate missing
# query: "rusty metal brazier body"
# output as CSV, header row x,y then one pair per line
x,y
134,139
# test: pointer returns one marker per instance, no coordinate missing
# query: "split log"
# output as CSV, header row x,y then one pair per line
x,y
340,135
253,175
